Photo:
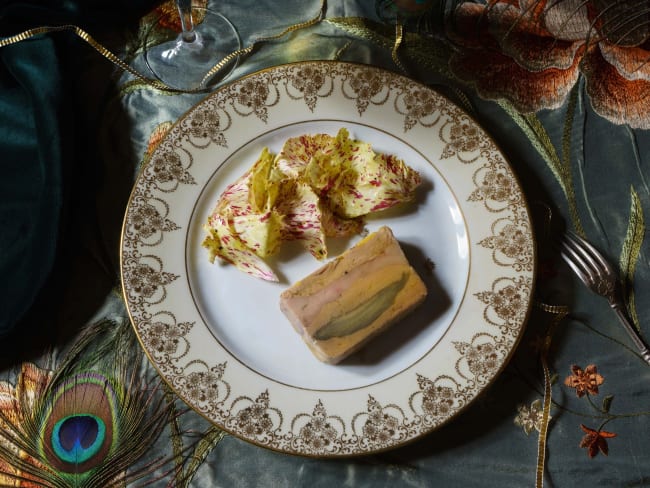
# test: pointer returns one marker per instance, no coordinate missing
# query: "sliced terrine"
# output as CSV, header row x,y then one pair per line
x,y
354,297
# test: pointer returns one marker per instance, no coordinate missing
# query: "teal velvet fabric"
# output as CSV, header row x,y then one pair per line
x,y
70,149
41,152
31,188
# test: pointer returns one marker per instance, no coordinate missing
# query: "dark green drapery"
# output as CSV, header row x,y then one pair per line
x,y
42,146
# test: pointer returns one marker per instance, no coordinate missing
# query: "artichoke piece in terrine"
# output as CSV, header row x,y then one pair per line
x,y
354,297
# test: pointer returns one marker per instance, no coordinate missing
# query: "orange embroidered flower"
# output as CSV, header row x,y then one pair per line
x,y
595,440
156,136
14,401
586,381
532,52
169,17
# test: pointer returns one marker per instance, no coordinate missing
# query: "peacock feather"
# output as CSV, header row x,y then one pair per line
x,y
89,421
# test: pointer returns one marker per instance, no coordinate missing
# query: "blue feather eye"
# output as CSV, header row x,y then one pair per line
x,y
77,438
79,430
88,422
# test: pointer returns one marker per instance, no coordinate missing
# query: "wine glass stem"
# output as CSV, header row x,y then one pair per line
x,y
187,24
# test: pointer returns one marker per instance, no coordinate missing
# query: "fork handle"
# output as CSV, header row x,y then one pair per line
x,y
634,334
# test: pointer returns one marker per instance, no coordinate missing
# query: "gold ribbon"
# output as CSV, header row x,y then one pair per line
x,y
399,38
249,49
151,81
558,312
92,42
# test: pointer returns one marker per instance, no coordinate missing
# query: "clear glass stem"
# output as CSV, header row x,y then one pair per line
x,y
183,62
187,23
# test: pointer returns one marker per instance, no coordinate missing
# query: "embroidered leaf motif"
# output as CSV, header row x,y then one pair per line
x,y
375,32
209,440
630,253
595,440
539,138
429,53
607,403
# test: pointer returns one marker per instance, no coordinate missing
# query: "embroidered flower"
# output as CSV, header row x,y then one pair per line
x,y
156,136
170,19
586,381
595,440
533,52
15,401
530,418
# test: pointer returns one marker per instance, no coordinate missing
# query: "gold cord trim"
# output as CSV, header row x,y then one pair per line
x,y
399,38
151,81
92,42
249,49
559,312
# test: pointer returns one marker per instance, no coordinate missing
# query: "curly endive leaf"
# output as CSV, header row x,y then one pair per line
x,y
631,251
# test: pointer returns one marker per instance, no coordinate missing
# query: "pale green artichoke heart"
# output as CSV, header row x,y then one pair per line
x,y
364,314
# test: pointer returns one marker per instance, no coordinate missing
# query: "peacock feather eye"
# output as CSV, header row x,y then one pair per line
x,y
79,429
89,421
78,438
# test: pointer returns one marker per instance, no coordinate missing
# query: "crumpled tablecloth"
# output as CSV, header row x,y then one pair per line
x,y
74,132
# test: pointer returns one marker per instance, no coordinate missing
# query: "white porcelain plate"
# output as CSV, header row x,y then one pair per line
x,y
217,335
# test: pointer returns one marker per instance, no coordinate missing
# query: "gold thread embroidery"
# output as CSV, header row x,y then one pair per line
x,y
558,312
630,253
249,49
399,37
150,81
88,39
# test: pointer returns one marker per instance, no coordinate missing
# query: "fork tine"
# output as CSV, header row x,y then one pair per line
x,y
599,276
597,259
581,256
576,262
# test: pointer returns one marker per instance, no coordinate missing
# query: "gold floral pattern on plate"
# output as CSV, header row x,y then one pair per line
x,y
473,335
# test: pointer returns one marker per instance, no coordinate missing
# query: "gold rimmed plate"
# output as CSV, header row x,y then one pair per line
x,y
217,335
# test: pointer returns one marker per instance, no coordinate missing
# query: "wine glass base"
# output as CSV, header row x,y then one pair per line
x,y
183,63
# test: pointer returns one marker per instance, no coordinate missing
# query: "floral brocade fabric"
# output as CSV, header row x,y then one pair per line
x,y
533,52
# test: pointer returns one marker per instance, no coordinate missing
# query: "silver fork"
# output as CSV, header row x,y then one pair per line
x,y
599,276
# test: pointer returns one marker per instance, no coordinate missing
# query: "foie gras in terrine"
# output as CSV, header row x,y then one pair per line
x,y
354,297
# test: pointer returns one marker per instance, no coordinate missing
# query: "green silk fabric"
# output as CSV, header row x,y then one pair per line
x,y
41,150
31,188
